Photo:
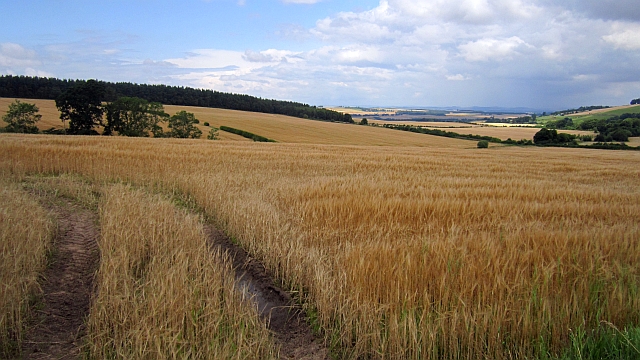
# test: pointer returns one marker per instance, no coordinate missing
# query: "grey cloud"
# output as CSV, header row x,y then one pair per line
x,y
149,62
602,9
253,56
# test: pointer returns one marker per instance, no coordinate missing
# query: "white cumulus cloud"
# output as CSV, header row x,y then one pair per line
x,y
625,36
14,55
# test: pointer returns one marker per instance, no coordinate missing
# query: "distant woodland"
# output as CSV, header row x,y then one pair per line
x,y
52,88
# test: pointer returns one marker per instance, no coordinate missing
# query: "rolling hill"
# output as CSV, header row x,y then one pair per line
x,y
284,129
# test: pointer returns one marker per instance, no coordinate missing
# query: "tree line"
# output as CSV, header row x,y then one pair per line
x,y
51,88
579,110
615,128
82,106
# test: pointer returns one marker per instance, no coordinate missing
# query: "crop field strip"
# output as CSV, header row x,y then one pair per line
x,y
402,252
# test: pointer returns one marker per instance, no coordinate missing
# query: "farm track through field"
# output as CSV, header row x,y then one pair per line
x,y
68,283
284,317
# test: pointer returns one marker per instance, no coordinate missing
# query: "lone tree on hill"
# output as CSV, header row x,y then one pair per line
x,y
182,126
22,117
82,106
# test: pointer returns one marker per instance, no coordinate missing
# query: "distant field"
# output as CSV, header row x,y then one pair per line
x,y
595,114
634,141
435,124
509,125
515,133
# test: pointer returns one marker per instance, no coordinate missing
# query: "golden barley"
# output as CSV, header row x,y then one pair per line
x,y
26,230
405,252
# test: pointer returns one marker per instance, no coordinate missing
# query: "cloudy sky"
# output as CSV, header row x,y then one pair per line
x,y
541,54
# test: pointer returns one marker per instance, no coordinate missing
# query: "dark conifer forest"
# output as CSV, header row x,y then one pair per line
x,y
50,88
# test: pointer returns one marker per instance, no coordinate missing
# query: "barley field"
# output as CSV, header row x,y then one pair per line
x,y
26,231
404,252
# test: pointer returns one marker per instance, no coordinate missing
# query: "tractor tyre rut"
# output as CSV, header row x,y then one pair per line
x,y
286,320
68,283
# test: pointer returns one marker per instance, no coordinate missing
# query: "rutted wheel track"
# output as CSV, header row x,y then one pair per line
x,y
284,318
68,283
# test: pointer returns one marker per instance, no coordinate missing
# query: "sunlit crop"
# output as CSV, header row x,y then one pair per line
x,y
405,252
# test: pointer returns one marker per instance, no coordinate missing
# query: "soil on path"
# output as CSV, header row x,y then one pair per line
x,y
59,325
286,320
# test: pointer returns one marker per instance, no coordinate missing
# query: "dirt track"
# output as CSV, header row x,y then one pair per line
x,y
285,319
67,285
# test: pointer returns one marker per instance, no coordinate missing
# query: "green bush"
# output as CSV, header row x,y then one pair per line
x,y
213,134
621,135
206,123
483,144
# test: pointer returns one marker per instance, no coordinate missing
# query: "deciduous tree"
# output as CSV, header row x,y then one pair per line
x,y
182,125
22,117
82,106
131,116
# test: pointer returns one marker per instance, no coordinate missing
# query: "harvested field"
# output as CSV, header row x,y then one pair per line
x,y
400,252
